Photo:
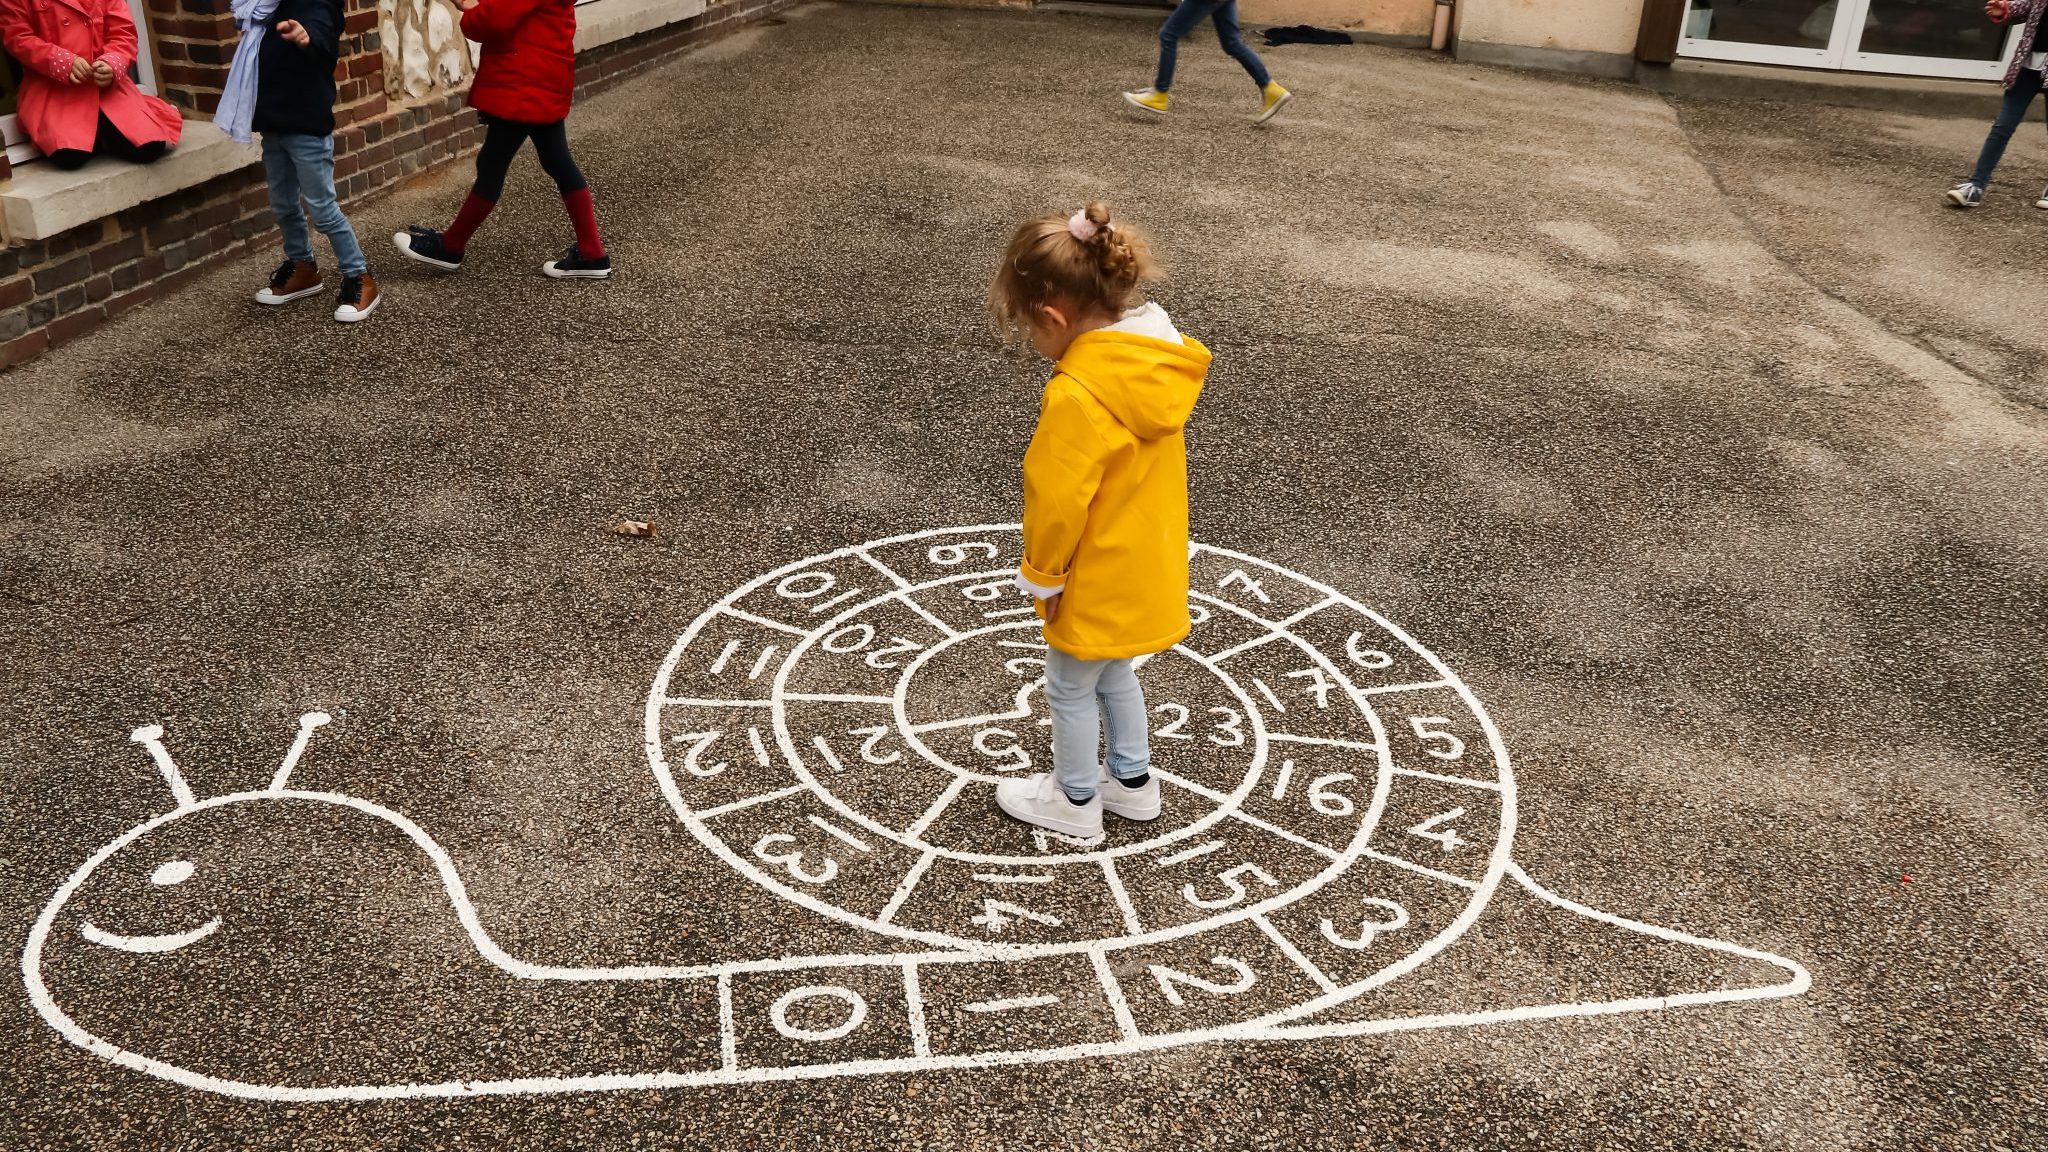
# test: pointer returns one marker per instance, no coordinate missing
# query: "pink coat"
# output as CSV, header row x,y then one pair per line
x,y
44,35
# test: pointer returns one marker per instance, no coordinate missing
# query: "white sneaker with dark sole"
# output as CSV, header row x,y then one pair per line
x,y
1038,800
1140,803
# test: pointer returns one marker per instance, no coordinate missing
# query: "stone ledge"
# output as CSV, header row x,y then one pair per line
x,y
609,21
42,200
1923,95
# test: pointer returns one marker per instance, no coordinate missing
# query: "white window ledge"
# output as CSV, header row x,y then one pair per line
x,y
42,200
608,21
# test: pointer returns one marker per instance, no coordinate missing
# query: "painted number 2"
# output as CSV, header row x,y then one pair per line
x,y
1228,733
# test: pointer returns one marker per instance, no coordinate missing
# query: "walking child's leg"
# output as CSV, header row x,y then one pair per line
x,y
313,157
1125,723
1232,35
502,139
2014,109
1182,21
281,171
551,144
1070,687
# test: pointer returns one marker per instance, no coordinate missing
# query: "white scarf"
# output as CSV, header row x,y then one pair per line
x,y
237,111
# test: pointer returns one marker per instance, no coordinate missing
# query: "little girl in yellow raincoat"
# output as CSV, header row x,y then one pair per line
x,y
1105,505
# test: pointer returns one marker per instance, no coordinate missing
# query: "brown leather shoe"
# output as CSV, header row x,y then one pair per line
x,y
293,280
359,298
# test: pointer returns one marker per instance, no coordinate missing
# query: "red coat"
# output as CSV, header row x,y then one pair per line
x,y
528,68
44,35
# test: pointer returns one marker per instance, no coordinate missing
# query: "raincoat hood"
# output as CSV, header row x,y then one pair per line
x,y
1148,383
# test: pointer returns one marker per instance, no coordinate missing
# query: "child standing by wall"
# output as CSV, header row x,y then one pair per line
x,y
1105,505
282,85
1185,19
522,90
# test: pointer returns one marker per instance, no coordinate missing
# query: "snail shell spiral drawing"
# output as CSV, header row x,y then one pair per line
x,y
1339,811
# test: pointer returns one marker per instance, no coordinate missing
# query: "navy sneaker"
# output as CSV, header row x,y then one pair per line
x,y
1968,194
426,246
573,265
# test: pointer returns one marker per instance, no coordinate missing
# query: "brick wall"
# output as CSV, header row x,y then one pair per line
x,y
56,289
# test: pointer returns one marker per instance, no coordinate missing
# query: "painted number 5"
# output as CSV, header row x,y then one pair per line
x,y
1235,891
1431,730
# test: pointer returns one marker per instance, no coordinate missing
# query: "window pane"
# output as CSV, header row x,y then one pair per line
x,y
1949,29
1783,23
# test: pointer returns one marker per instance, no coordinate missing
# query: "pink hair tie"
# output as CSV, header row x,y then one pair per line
x,y
1082,227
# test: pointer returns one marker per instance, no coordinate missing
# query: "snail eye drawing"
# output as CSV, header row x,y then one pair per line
x,y
167,874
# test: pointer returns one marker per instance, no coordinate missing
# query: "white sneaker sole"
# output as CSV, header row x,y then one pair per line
x,y
1134,102
266,296
1037,817
556,272
1269,113
403,242
2042,202
355,316
1955,198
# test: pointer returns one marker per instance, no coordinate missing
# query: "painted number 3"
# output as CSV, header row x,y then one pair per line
x,y
1228,731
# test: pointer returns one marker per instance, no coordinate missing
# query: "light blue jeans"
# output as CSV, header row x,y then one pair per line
x,y
299,165
1089,699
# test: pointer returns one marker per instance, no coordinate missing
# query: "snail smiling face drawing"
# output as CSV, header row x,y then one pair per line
x,y
1339,811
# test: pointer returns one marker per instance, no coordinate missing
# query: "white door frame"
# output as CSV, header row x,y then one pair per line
x,y
1841,52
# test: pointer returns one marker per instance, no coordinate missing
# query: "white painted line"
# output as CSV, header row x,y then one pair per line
x,y
945,629
1248,645
1488,785
1423,686
908,886
764,622
724,654
307,724
1282,778
1189,854
1245,817
843,597
837,698
895,577
938,807
1001,613
1307,965
856,1013
845,837
1037,647
994,878
1122,898
760,750
1268,694
749,802
702,702
728,1031
913,999
151,736
169,942
1412,866
761,662
1011,1004
1114,993
1321,742
825,750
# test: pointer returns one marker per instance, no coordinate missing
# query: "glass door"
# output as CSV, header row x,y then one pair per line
x,y
1915,37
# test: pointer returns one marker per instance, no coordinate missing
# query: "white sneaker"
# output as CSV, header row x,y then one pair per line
x,y
2042,200
1965,195
1038,800
1140,803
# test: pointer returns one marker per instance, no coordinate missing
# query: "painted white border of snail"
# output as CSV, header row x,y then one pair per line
x,y
1797,981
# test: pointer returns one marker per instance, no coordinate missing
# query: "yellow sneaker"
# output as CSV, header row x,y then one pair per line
x,y
1150,99
1276,98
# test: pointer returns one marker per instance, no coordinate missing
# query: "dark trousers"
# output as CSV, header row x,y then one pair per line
x,y
2025,87
109,142
1183,21
502,139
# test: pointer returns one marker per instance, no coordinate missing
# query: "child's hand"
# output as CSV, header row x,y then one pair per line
x,y
1052,607
81,70
1998,9
468,4
102,73
294,33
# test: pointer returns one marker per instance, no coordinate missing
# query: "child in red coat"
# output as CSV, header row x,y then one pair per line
x,y
522,89
76,96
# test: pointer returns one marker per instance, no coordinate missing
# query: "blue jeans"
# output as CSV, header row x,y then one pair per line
x,y
299,165
1087,697
2024,88
1183,21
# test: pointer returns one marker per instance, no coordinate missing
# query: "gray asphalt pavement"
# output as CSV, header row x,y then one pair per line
x,y
1616,719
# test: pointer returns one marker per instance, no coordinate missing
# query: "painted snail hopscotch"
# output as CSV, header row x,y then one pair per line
x,y
1339,811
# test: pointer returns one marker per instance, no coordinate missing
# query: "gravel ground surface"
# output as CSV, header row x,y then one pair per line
x,y
1698,443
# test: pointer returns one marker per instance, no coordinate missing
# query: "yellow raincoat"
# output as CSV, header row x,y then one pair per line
x,y
1106,492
